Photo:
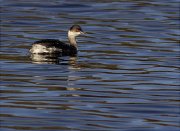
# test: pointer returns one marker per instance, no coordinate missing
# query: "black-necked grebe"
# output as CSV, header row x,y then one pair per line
x,y
56,46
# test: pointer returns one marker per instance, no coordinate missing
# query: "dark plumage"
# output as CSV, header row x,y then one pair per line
x,y
50,43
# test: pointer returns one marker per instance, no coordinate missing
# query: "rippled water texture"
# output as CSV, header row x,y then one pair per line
x,y
125,76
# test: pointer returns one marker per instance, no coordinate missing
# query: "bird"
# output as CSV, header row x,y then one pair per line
x,y
51,46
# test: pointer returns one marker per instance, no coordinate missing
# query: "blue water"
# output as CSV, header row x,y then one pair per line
x,y
125,76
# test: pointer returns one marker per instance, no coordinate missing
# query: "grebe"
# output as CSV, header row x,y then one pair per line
x,y
56,46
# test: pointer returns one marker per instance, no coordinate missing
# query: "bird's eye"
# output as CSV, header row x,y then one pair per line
x,y
77,30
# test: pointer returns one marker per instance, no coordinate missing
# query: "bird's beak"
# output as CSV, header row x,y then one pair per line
x,y
83,32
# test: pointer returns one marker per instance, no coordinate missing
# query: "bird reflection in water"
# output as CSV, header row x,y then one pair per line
x,y
52,58
55,59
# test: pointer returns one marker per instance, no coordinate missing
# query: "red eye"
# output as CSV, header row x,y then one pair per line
x,y
77,30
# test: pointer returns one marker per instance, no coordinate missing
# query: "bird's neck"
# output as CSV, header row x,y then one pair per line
x,y
72,39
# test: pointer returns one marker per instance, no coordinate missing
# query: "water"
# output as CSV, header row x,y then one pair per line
x,y
125,76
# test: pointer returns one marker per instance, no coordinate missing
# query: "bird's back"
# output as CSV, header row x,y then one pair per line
x,y
51,46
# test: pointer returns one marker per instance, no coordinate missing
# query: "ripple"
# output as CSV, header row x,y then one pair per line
x,y
124,77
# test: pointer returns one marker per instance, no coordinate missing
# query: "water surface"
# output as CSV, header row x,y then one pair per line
x,y
125,76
